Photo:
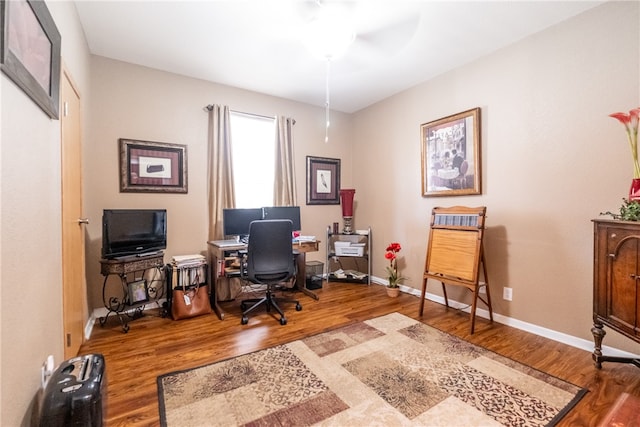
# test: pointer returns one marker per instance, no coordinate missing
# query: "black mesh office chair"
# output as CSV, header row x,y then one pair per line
x,y
269,262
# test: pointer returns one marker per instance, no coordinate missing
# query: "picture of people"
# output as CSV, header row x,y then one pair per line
x,y
449,149
138,292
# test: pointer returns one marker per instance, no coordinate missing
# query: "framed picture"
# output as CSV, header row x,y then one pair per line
x,y
30,51
152,167
138,292
323,181
451,155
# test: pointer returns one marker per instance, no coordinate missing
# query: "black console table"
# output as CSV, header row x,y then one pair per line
x,y
135,288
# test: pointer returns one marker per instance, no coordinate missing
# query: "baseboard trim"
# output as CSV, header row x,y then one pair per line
x,y
99,312
580,343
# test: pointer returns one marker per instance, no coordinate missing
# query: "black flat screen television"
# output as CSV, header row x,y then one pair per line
x,y
133,231
235,222
284,212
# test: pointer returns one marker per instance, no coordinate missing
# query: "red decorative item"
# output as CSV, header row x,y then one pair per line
x,y
346,200
630,122
392,269
634,191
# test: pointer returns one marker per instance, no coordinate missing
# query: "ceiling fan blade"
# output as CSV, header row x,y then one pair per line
x,y
308,10
371,47
388,40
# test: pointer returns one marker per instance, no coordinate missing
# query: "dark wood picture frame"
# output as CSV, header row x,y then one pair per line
x,y
323,181
138,292
152,167
30,52
451,158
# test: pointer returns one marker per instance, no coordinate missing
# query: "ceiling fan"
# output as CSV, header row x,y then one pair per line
x,y
355,32
338,28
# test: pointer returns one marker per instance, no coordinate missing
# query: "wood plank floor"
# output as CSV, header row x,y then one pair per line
x,y
156,345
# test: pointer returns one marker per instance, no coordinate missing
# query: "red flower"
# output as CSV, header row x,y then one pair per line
x,y
630,122
392,269
394,247
624,118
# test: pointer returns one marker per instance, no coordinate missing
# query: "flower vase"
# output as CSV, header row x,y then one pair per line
x,y
634,191
346,200
393,292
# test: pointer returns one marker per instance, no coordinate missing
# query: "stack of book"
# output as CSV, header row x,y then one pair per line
x,y
188,260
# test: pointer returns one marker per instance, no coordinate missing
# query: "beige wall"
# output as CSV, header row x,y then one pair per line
x,y
30,255
130,101
551,158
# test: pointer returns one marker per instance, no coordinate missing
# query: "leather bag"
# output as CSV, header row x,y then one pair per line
x,y
190,302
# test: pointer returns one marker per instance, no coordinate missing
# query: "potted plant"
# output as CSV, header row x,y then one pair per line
x,y
629,211
394,278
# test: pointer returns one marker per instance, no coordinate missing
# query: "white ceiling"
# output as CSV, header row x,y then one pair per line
x,y
256,44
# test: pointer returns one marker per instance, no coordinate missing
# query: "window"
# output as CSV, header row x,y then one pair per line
x,y
253,151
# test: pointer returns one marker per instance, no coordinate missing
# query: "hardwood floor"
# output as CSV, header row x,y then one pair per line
x,y
156,345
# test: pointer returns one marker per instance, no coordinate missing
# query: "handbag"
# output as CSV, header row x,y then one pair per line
x,y
190,302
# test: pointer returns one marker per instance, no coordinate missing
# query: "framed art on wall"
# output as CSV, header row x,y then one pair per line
x,y
156,167
323,181
30,51
450,149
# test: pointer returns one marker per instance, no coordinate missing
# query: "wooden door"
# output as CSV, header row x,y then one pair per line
x,y
73,270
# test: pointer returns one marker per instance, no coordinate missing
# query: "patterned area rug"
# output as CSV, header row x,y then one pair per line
x,y
391,370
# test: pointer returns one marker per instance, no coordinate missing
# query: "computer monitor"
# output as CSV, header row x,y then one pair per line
x,y
235,222
284,212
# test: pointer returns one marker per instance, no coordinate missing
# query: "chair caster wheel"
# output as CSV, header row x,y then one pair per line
x,y
283,321
298,307
245,320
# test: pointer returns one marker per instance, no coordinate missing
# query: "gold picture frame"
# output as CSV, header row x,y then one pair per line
x,y
451,159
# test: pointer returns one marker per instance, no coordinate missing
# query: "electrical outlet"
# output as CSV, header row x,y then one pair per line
x,y
507,294
483,288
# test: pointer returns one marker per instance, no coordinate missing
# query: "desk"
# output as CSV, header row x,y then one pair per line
x,y
301,262
217,253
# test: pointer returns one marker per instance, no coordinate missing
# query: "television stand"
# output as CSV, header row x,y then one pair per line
x,y
137,286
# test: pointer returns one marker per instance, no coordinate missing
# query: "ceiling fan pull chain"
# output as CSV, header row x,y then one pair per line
x,y
327,104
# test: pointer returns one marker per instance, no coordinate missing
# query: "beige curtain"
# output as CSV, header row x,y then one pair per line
x,y
284,190
219,170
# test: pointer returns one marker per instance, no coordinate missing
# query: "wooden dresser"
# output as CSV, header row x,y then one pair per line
x,y
616,284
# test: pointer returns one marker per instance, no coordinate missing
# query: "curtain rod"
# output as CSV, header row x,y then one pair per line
x,y
210,107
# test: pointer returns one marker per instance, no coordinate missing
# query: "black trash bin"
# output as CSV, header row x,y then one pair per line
x,y
314,270
75,394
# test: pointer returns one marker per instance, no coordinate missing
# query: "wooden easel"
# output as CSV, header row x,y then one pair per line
x,y
455,252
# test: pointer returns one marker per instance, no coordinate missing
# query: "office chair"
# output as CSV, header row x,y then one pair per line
x,y
269,261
